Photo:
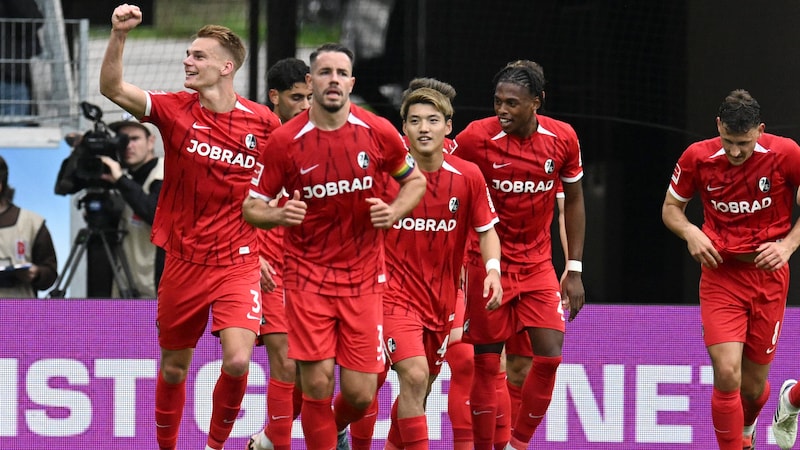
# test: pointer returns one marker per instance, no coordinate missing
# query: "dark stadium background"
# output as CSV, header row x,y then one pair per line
x,y
639,81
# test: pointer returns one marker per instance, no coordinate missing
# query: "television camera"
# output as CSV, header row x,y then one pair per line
x,y
82,172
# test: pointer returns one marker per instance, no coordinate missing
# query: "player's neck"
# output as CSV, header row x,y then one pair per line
x,y
327,120
218,99
428,163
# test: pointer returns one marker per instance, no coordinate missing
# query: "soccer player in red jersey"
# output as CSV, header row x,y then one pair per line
x,y
519,354
213,139
332,160
522,154
290,95
424,255
746,180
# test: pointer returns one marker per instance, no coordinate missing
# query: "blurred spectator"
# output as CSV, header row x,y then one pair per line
x,y
19,41
27,255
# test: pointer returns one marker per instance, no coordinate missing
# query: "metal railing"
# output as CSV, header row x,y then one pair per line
x,y
43,69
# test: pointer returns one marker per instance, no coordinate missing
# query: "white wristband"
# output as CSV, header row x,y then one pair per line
x,y
493,264
574,266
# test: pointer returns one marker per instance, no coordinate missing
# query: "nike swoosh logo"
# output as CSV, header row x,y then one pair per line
x,y
770,350
252,317
281,417
712,189
535,417
500,166
305,170
158,425
478,413
228,421
196,126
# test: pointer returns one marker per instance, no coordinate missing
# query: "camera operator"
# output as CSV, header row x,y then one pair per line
x,y
139,183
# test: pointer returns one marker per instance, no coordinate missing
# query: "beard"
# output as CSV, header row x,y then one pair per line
x,y
333,108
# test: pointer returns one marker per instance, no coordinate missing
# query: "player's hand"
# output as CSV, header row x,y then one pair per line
x,y
772,255
267,282
493,290
126,17
115,170
701,248
294,211
381,214
573,295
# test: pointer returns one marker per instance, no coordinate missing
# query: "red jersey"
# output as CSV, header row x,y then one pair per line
x,y
271,242
743,206
522,175
210,161
425,250
336,250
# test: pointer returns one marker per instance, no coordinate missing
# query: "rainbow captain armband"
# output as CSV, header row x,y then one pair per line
x,y
574,266
405,169
493,264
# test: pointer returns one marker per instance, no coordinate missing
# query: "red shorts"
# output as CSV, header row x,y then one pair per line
x,y
274,309
519,345
461,309
530,300
188,291
741,303
406,336
346,328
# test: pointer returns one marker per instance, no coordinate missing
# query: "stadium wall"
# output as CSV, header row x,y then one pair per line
x,y
81,374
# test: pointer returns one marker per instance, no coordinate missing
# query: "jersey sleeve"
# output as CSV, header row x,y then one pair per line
x,y
681,184
397,161
573,167
274,168
484,216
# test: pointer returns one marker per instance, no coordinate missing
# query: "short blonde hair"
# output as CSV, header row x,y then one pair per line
x,y
428,96
227,39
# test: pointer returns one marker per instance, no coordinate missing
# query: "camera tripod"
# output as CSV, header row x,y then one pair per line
x,y
119,264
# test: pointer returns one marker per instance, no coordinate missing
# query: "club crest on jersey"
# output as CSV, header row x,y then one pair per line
x,y
764,185
549,166
410,160
363,160
250,141
391,345
453,205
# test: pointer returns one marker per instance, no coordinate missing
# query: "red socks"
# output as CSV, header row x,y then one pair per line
x,y
483,399
170,399
280,410
459,358
502,431
794,395
537,391
362,429
728,418
227,399
414,432
319,426
752,409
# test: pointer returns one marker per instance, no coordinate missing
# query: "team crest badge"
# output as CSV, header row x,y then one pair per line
x,y
250,141
453,205
764,184
549,166
363,160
